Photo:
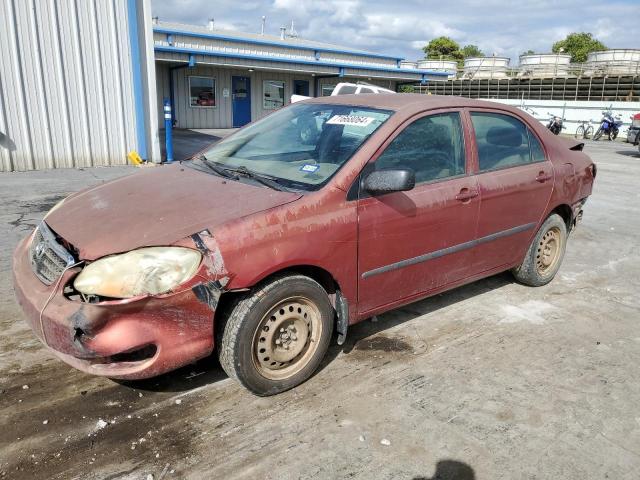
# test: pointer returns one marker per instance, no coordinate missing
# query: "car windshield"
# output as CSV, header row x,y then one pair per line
x,y
302,146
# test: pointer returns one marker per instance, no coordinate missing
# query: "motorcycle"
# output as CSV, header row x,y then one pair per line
x,y
609,125
555,124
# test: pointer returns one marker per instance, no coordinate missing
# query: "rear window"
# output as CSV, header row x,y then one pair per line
x,y
347,89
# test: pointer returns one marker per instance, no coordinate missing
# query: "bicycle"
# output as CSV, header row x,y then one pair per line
x,y
584,130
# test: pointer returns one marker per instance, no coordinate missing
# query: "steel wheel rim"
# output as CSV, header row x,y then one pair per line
x,y
548,252
287,337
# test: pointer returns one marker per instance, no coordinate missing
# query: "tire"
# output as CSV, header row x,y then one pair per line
x,y
274,338
544,256
613,134
579,132
588,132
598,134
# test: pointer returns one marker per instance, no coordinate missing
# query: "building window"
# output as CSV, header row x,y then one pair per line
x,y
202,92
326,89
272,94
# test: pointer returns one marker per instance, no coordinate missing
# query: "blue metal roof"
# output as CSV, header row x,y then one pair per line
x,y
271,43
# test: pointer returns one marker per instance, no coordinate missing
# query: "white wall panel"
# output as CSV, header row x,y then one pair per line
x,y
66,83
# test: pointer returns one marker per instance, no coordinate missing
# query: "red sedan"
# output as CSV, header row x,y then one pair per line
x,y
312,219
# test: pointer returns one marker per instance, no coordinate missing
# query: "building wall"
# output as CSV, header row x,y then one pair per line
x,y
221,116
67,83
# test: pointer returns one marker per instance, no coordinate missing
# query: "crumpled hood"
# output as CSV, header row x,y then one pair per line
x,y
157,206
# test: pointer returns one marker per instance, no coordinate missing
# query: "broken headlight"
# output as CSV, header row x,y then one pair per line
x,y
146,271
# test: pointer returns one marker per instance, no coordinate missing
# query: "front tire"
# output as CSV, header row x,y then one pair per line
x,y
598,134
579,132
275,338
545,253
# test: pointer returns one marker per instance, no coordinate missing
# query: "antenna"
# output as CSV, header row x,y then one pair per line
x,y
292,30
264,21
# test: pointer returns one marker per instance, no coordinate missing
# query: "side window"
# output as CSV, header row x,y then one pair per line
x,y
347,89
432,146
503,141
537,153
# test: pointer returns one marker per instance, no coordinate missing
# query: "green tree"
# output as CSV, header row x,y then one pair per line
x,y
472,51
443,47
578,45
528,52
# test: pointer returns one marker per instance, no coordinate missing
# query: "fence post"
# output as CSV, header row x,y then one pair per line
x,y
168,127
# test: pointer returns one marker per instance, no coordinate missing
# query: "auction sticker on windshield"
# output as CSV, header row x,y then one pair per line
x,y
352,120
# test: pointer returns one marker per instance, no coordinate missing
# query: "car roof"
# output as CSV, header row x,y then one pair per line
x,y
412,102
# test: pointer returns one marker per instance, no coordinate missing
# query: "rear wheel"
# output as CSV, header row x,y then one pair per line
x,y
275,338
579,132
545,254
588,132
613,134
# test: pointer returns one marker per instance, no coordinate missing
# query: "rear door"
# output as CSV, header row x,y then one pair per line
x,y
515,179
412,242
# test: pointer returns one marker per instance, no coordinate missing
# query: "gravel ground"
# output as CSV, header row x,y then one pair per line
x,y
493,380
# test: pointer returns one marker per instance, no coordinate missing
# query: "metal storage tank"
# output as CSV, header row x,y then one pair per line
x,y
544,65
77,84
408,64
485,67
619,61
449,66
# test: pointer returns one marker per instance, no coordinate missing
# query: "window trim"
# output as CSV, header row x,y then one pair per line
x,y
528,128
355,193
215,91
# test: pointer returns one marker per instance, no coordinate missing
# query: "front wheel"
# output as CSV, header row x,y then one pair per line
x,y
275,338
598,134
545,254
579,132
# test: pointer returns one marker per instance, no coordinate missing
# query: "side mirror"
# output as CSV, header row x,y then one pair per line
x,y
386,181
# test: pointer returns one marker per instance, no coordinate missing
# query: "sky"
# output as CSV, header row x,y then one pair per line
x,y
402,28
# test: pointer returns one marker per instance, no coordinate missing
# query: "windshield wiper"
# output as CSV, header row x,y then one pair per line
x,y
223,172
263,179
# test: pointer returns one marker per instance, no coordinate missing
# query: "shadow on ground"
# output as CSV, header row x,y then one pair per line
x,y
186,143
451,470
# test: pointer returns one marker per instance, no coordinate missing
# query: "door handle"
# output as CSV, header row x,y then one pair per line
x,y
543,177
466,195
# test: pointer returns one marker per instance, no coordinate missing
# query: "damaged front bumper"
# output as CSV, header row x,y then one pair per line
x,y
125,339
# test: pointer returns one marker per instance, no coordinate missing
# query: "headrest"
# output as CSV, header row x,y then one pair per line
x,y
504,136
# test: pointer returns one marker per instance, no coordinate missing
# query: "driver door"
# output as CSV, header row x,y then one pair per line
x,y
416,241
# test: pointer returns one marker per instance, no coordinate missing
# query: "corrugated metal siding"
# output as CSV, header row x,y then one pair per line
x,y
65,83
221,116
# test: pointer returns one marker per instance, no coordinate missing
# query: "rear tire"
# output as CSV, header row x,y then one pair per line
x,y
588,132
544,256
275,337
579,132
613,134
